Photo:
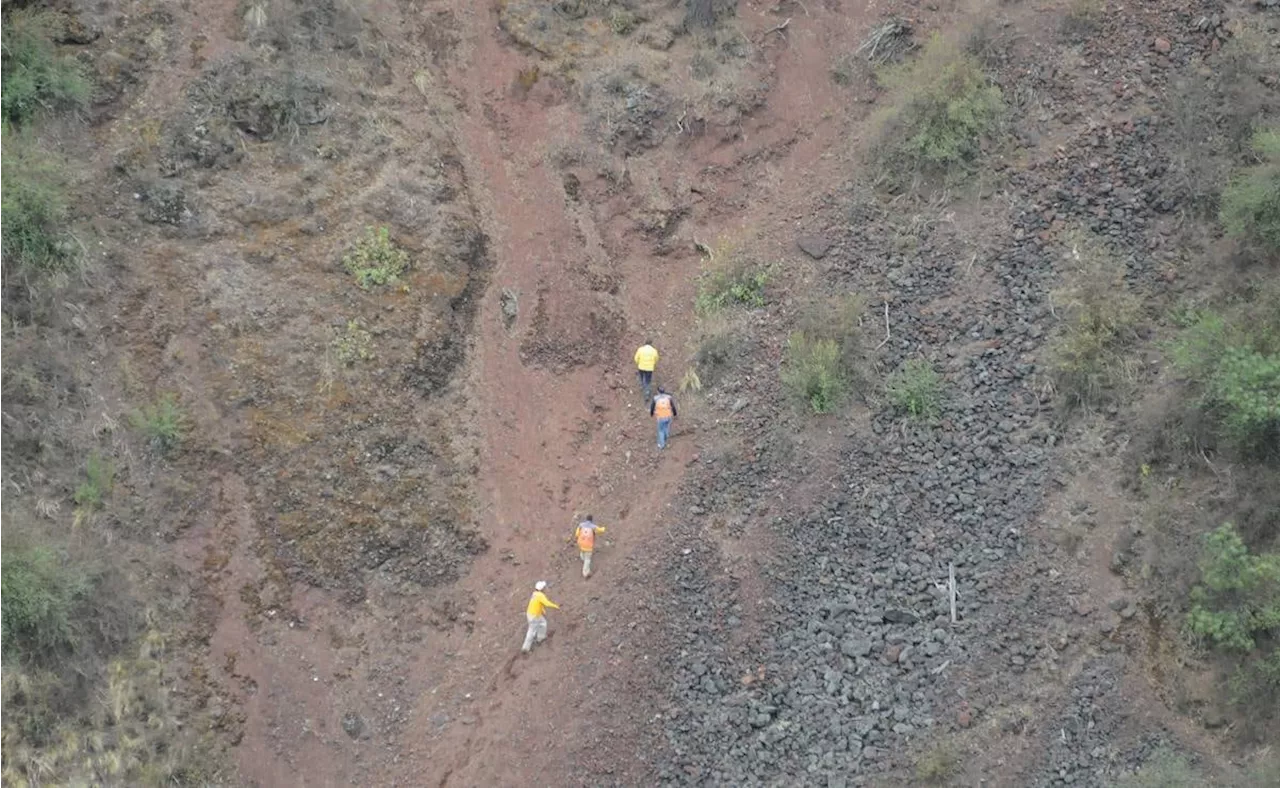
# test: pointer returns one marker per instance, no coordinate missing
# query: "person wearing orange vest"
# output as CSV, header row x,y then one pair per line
x,y
646,362
585,533
535,613
663,408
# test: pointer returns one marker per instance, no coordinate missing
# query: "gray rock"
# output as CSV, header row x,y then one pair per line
x,y
816,246
352,724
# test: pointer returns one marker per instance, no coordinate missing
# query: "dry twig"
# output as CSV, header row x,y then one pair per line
x,y
885,341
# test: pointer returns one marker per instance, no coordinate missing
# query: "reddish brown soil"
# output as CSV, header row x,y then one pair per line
x,y
557,425
513,717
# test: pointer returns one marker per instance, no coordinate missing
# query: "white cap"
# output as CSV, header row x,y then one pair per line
x,y
541,584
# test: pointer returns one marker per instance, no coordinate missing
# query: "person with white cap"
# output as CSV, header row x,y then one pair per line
x,y
536,614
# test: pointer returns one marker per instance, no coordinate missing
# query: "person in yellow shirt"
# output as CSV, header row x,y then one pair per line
x,y
646,362
585,533
536,615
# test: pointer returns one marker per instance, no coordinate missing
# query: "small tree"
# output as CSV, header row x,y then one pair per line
x,y
813,372
1238,597
1251,202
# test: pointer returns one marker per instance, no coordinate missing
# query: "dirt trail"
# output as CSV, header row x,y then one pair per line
x,y
559,444
562,432
535,476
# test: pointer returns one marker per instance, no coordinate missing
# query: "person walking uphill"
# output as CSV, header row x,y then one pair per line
x,y
646,362
663,408
536,614
585,533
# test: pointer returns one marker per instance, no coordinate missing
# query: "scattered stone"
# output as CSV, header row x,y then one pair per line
x,y
816,246
353,724
1162,46
510,302
899,617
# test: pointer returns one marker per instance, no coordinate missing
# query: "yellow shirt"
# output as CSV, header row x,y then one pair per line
x,y
538,604
646,358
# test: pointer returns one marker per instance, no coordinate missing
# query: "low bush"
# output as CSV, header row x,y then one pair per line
x,y
1099,314
34,208
163,423
735,281
354,343
40,592
812,372
839,320
1164,769
1081,19
943,107
1235,372
1251,202
35,77
719,351
1238,597
375,259
915,390
938,765
99,478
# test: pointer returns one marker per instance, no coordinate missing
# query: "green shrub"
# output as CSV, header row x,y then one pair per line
x,y
1199,347
1246,391
938,765
1238,597
1251,202
1081,19
812,372
1164,769
33,206
39,593
1099,317
354,343
35,76
915,389
163,423
1238,383
731,284
943,107
375,259
99,478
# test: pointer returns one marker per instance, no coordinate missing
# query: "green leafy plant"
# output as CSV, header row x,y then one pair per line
x,y
164,423
39,592
812,372
915,389
1246,389
375,259
354,343
943,107
34,207
731,285
99,479
35,77
1251,202
1238,597
1087,361
1238,383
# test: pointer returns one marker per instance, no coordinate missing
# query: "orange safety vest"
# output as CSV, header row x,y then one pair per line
x,y
662,406
586,539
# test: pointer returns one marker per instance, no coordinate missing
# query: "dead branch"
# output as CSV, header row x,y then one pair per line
x,y
885,341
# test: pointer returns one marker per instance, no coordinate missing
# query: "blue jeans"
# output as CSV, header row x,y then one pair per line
x,y
664,429
646,380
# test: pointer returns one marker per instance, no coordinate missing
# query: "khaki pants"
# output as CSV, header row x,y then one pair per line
x,y
586,562
537,631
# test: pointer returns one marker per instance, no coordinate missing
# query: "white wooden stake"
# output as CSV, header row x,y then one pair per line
x,y
951,586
